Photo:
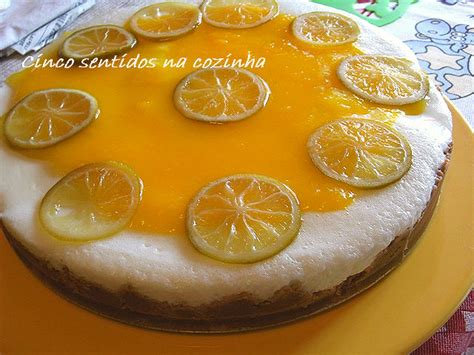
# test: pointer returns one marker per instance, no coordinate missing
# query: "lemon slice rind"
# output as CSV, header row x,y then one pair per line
x,y
182,105
397,79
402,144
300,24
191,25
74,230
251,256
11,117
271,5
66,50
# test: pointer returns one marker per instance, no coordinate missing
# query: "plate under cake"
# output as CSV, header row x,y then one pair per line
x,y
150,275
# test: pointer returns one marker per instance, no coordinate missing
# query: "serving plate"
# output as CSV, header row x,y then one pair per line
x,y
396,315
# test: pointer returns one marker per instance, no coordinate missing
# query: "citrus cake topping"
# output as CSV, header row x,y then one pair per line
x,y
325,29
220,95
362,153
165,20
239,14
47,117
174,155
97,42
243,218
92,202
384,79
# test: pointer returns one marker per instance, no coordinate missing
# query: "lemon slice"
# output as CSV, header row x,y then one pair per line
x,y
97,42
220,95
243,218
325,29
165,20
384,79
360,152
47,117
239,13
92,202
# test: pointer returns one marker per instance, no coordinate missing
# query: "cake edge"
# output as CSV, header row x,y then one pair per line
x,y
236,313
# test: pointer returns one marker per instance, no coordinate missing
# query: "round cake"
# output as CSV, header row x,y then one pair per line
x,y
346,233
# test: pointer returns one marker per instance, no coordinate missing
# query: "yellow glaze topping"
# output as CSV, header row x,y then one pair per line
x,y
175,156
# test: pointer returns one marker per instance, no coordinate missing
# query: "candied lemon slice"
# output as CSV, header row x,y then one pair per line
x,y
360,152
243,218
165,20
325,29
97,42
91,202
220,95
239,13
47,117
384,79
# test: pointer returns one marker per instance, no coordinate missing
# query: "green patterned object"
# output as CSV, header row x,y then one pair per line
x,y
377,12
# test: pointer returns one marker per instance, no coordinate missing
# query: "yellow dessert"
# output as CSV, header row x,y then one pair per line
x,y
47,117
243,218
165,21
89,43
252,167
238,14
325,29
92,202
360,152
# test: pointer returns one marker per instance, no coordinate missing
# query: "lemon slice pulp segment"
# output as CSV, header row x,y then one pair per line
x,y
243,218
384,79
360,152
325,29
97,42
47,117
239,13
91,202
165,20
220,95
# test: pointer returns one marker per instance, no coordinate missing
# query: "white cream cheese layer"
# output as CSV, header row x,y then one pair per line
x,y
330,247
